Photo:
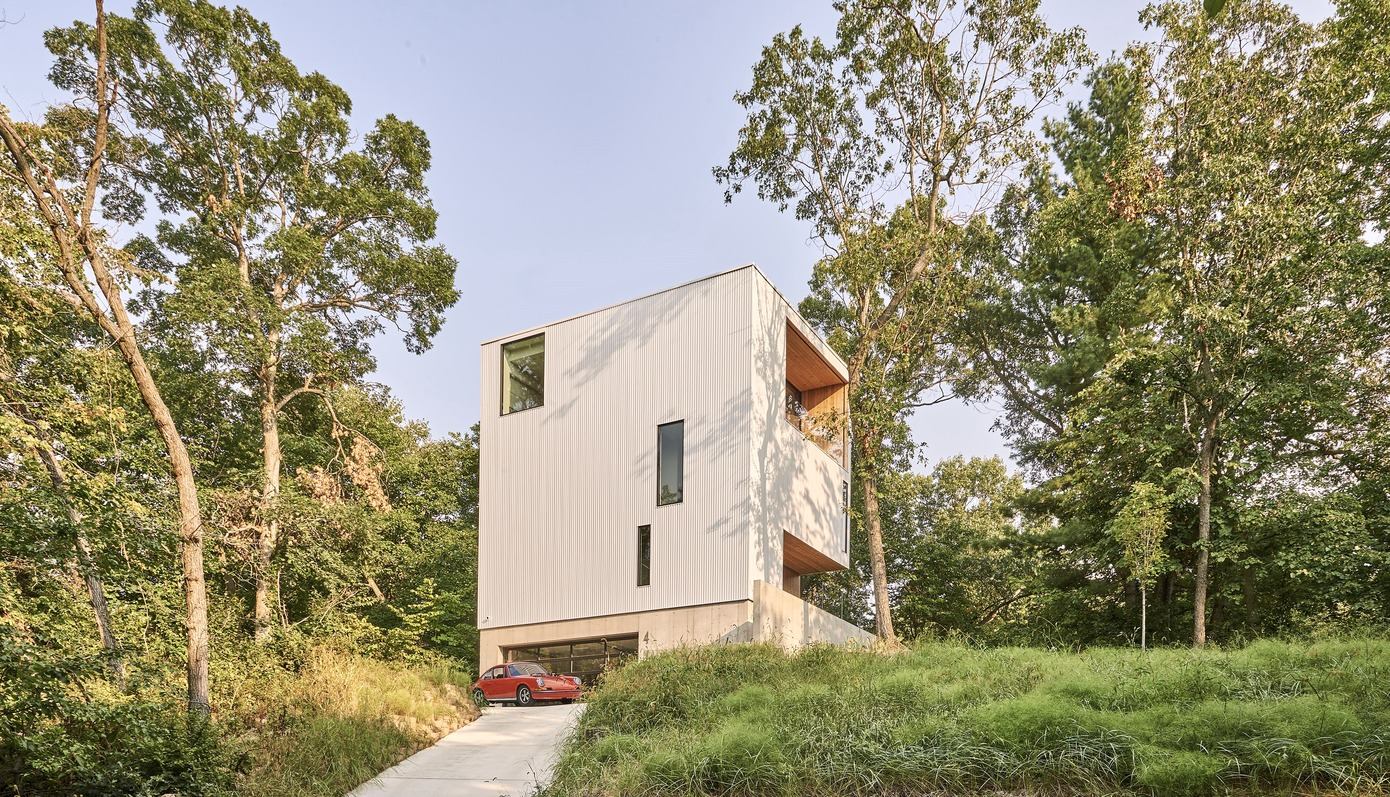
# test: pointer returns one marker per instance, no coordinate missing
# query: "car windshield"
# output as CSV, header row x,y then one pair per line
x,y
528,668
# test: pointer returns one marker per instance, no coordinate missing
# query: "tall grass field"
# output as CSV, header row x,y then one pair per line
x,y
1270,718
340,721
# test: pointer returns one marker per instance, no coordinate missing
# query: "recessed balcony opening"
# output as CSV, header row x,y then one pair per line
x,y
815,397
800,559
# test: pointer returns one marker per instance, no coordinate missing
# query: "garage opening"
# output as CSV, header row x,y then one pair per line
x,y
585,658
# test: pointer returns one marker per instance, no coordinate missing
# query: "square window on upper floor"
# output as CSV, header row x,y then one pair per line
x,y
523,374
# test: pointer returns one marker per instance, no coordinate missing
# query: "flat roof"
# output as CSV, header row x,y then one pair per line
x,y
791,307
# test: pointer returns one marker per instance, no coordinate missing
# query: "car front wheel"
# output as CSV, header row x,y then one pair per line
x,y
523,696
479,698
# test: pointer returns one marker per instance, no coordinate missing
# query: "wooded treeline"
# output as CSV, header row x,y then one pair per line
x,y
199,480
1175,290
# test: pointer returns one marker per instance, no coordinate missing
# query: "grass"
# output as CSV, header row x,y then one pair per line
x,y
339,721
292,717
1270,718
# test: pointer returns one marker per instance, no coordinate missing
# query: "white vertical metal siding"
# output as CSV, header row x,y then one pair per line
x,y
796,487
564,486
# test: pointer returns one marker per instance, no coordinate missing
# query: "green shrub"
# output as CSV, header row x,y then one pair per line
x,y
289,720
63,731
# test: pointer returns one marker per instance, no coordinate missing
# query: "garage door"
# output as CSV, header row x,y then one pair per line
x,y
585,658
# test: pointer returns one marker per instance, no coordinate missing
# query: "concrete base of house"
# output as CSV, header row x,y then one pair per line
x,y
772,615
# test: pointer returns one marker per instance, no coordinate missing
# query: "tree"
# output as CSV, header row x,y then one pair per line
x,y
64,179
1058,285
1265,326
921,105
1191,296
1140,526
44,358
956,559
1061,278
291,247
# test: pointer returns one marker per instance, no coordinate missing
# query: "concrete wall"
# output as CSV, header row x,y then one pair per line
x,y
656,631
784,619
796,487
564,486
773,615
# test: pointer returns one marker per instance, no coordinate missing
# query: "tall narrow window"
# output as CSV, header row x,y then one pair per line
x,y
644,555
844,508
523,374
670,463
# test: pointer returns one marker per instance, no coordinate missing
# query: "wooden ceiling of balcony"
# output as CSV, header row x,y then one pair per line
x,y
802,558
805,367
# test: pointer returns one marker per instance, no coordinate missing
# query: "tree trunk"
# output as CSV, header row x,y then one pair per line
x,y
1199,589
1143,617
190,525
71,227
268,530
1250,595
883,613
190,512
96,591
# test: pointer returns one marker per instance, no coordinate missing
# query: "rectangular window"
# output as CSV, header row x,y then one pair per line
x,y
644,555
844,508
670,463
523,374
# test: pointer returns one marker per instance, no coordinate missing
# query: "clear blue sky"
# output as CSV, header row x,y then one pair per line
x,y
572,152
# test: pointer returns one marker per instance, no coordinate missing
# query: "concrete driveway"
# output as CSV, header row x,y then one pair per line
x,y
508,750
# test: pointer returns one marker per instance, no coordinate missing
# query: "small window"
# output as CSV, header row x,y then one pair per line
x,y
844,508
523,374
670,463
644,555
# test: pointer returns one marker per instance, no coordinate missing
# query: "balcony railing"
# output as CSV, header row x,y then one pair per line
x,y
826,431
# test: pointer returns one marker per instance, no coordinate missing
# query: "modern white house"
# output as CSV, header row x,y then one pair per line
x,y
661,473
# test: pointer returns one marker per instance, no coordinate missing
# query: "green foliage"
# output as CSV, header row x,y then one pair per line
x,y
1165,305
64,731
286,244
282,246
1273,717
883,139
956,561
312,721
1140,527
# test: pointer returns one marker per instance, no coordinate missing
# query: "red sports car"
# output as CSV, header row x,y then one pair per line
x,y
524,683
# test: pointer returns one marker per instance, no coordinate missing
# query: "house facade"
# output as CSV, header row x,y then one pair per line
x,y
661,473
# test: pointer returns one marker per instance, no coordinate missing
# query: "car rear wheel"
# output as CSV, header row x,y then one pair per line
x,y
479,698
523,696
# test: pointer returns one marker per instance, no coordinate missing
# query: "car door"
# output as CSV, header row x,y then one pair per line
x,y
513,679
493,686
